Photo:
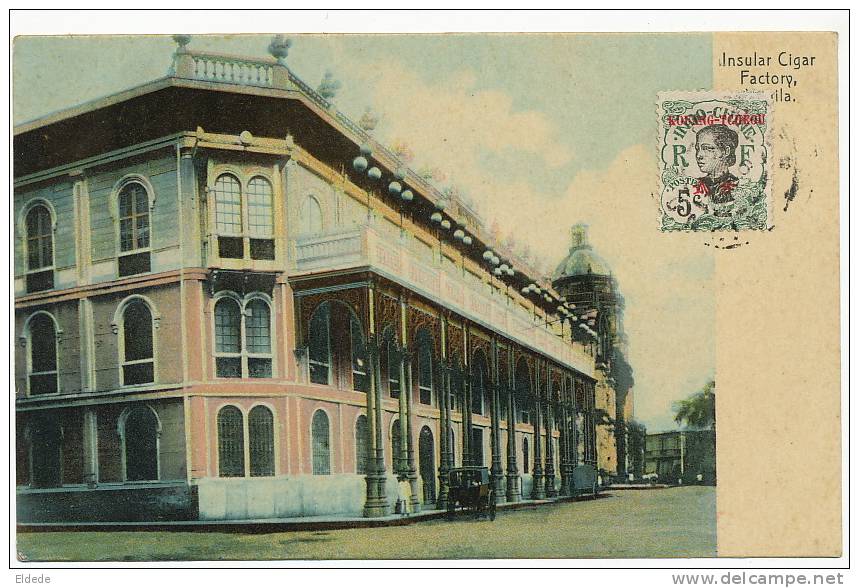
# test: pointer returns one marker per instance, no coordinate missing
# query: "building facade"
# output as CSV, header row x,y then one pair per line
x,y
686,457
271,317
585,279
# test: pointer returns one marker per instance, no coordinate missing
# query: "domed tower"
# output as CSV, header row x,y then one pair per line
x,y
585,279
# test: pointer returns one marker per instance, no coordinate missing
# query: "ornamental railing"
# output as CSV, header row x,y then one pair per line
x,y
403,259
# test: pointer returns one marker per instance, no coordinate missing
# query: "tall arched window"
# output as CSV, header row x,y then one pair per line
x,y
261,439
138,365
231,443
424,359
40,249
452,446
228,205
42,360
133,202
478,384
261,218
320,345
140,440
360,363
525,455
523,391
362,445
258,338
321,440
260,210
311,216
243,347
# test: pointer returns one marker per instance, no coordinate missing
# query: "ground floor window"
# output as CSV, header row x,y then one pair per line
x,y
140,438
321,440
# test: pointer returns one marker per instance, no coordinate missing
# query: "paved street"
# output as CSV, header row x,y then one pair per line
x,y
674,522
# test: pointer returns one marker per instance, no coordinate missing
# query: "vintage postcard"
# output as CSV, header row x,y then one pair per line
x,y
463,296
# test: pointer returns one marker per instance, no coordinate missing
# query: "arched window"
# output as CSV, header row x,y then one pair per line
x,y
525,455
320,345
140,440
40,249
243,338
260,209
261,439
424,359
258,338
478,384
231,443
426,463
360,363
46,443
40,242
362,445
42,343
133,202
321,441
138,362
311,216
452,446
228,205
523,391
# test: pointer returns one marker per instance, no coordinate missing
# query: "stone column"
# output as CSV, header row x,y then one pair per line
x,y
539,491
514,493
408,441
376,503
496,470
565,444
466,409
444,441
551,492
401,460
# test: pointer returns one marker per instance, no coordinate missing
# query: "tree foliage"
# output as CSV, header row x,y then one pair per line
x,y
699,410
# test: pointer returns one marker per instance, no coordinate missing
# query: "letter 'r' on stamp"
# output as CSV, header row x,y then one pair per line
x,y
714,161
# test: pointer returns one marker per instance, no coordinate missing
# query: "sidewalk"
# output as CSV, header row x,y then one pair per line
x,y
257,526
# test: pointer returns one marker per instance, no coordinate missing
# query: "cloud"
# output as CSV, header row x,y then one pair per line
x,y
451,124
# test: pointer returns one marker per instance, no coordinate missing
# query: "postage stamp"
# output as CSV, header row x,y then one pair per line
x,y
713,164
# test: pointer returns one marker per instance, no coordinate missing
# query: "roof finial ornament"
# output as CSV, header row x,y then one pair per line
x,y
369,120
181,41
328,86
279,48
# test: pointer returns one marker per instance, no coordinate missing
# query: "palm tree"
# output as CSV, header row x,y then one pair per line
x,y
699,410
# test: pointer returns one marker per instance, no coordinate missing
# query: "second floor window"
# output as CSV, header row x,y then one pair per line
x,y
244,217
243,338
134,234
40,249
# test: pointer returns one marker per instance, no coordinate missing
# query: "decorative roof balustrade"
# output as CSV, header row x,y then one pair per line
x,y
404,260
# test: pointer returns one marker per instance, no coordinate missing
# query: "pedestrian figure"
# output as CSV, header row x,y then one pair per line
x,y
404,495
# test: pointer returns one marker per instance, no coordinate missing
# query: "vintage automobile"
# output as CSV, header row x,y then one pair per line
x,y
470,489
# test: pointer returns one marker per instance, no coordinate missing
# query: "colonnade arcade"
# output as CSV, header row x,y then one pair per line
x,y
404,348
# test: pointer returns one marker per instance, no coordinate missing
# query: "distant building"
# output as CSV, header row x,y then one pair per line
x,y
584,279
689,456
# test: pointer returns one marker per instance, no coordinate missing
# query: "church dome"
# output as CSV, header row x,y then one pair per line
x,y
581,260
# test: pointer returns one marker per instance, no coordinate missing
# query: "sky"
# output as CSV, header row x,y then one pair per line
x,y
541,131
